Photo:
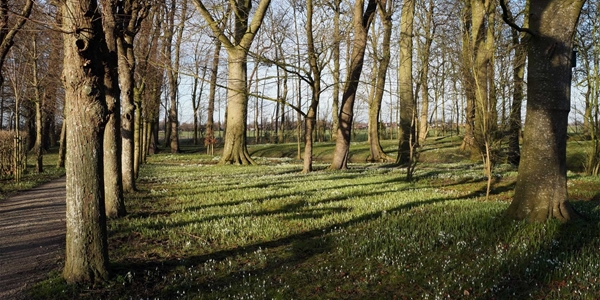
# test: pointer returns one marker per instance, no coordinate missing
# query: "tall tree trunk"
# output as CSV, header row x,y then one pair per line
x,y
174,80
282,98
377,154
197,89
113,183
86,113
137,132
62,144
153,135
514,123
235,150
131,16
311,116
468,79
425,54
541,190
39,143
282,90
481,59
407,101
214,72
51,96
335,106
257,129
127,116
362,23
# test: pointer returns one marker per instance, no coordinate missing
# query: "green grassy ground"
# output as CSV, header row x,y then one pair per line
x,y
196,230
30,178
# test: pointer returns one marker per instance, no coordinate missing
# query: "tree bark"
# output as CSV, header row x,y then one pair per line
x,y
138,130
113,183
425,54
39,103
315,85
62,144
362,23
335,106
519,42
235,150
377,154
133,12
541,190
86,115
214,72
482,51
407,101
468,80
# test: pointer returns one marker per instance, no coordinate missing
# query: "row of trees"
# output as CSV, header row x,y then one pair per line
x,y
123,62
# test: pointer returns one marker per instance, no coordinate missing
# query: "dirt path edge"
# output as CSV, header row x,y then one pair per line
x,y
32,237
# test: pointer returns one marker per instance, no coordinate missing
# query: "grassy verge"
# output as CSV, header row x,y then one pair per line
x,y
201,231
30,178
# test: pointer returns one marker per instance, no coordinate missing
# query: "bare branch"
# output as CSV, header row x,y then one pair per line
x,y
510,22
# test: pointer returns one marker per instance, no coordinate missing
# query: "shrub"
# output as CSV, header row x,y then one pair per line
x,y
7,153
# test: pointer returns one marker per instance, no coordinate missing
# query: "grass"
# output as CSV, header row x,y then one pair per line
x,y
196,230
32,179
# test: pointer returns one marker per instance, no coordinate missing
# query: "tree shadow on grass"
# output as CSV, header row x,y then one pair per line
x,y
301,246
544,272
298,207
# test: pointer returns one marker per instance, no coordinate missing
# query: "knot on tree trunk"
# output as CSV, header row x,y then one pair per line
x,y
81,45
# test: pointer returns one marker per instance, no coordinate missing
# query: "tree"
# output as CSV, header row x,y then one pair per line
x,y
481,49
468,79
7,32
7,35
362,19
130,17
429,28
86,115
198,86
587,75
407,139
173,54
212,91
382,61
113,177
39,104
235,150
278,36
541,189
315,86
519,42
336,6
149,78
51,83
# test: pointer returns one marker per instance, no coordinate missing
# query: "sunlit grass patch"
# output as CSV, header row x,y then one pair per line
x,y
197,230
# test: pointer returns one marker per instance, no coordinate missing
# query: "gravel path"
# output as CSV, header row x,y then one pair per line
x,y
32,237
